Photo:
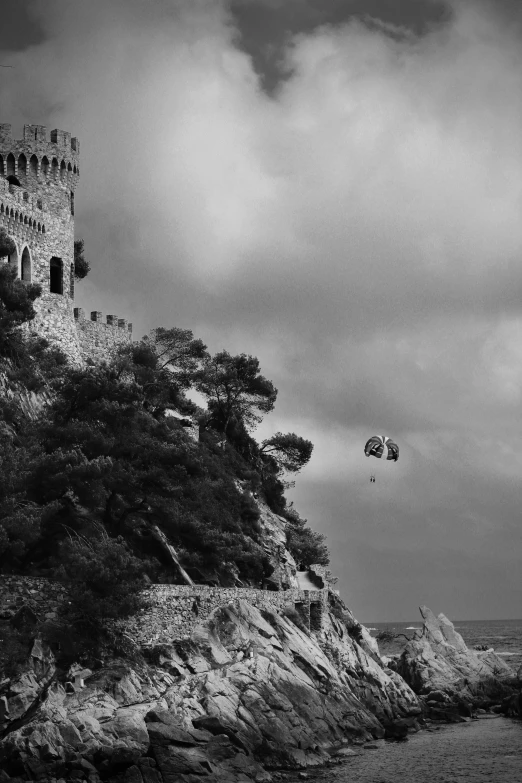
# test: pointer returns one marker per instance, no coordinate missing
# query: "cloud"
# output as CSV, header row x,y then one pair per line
x,y
359,231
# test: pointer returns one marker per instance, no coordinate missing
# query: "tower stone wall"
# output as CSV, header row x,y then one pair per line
x,y
38,180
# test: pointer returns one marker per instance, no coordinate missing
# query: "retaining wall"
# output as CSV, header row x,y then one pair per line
x,y
173,611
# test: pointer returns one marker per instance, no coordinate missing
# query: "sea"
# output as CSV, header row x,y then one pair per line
x,y
488,749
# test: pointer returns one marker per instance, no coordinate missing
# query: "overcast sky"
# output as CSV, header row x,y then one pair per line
x,y
333,186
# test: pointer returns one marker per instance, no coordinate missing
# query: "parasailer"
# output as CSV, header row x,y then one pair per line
x,y
381,447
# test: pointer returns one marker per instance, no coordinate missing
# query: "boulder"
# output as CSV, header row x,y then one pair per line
x,y
451,679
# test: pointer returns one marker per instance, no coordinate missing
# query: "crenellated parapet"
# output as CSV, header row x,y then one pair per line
x,y
97,318
34,156
99,338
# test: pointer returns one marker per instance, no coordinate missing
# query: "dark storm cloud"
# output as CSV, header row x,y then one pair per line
x,y
266,26
19,28
359,232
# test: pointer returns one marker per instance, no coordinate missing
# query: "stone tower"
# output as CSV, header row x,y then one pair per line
x,y
38,179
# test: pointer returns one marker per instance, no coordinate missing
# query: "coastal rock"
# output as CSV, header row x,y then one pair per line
x,y
451,679
258,693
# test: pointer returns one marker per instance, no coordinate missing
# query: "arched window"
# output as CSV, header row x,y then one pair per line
x,y
13,180
22,164
26,266
11,167
43,228
33,165
26,221
63,169
2,165
54,167
69,167
45,166
56,275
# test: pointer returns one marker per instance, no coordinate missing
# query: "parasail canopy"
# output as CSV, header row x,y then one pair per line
x,y
382,447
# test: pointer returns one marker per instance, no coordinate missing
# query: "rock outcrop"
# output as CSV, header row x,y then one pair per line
x,y
451,679
250,692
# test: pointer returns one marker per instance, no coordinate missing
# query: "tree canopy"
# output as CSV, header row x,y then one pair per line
x,y
16,308
7,244
104,482
235,388
289,451
81,265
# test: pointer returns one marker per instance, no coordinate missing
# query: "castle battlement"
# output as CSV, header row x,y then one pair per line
x,y
113,322
34,155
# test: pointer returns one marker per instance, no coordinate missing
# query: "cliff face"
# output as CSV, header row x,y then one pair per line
x,y
249,692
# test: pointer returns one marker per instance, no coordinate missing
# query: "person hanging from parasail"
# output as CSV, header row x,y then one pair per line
x,y
381,447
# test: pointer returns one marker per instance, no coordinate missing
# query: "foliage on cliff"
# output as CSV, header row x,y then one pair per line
x,y
97,483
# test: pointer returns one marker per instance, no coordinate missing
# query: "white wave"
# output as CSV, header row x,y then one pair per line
x,y
413,628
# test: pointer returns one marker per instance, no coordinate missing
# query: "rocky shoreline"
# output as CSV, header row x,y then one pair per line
x,y
251,696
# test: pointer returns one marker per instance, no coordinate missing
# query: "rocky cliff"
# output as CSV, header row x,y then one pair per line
x,y
249,693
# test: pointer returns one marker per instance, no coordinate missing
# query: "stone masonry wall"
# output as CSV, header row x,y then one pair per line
x,y
173,611
42,595
97,340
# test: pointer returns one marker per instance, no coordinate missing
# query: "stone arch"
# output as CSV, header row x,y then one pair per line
x,y
39,227
33,165
69,167
45,166
2,165
43,228
54,167
56,275
1,209
26,265
13,180
26,221
63,169
11,166
75,170
22,164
